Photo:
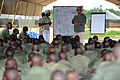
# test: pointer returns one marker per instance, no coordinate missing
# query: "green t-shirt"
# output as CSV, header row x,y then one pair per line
x,y
79,19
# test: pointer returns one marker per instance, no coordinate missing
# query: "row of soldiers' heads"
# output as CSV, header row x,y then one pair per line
x,y
52,56
35,60
13,74
106,43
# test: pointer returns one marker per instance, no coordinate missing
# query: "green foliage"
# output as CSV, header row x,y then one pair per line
x,y
88,12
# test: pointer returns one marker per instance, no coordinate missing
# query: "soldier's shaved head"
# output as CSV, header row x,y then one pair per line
x,y
58,75
36,60
9,53
35,47
64,48
11,63
52,58
12,42
62,56
51,50
107,57
116,51
11,74
78,51
30,56
88,46
71,75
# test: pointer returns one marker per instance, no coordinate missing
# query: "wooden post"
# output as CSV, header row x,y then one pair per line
x,y
25,15
32,23
3,1
33,17
15,12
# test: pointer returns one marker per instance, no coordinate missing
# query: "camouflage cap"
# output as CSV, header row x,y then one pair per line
x,y
79,8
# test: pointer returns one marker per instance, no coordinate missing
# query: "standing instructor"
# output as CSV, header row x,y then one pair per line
x,y
79,22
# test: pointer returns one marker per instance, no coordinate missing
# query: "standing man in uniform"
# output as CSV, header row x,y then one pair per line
x,y
46,25
79,22
41,26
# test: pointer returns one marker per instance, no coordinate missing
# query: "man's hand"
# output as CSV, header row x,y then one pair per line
x,y
76,22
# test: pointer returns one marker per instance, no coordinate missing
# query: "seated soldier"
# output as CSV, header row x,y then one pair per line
x,y
58,75
10,53
71,75
26,67
12,43
18,42
2,48
51,50
105,56
52,64
36,49
5,32
91,41
63,59
11,74
44,45
113,43
64,48
59,37
106,45
98,48
79,62
23,34
37,72
9,64
95,38
110,69
14,34
106,39
56,45
20,55
89,52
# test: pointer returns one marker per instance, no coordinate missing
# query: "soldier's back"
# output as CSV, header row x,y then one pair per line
x,y
91,54
37,73
108,71
66,63
57,66
80,64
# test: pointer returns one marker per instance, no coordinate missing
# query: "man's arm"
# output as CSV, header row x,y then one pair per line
x,y
83,20
74,22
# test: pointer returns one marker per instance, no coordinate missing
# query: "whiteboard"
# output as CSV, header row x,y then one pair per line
x,y
98,23
62,20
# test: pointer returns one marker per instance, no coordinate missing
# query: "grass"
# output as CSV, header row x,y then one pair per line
x,y
112,34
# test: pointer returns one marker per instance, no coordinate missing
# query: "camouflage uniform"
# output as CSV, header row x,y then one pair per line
x,y
57,66
37,73
91,54
80,64
4,33
22,35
